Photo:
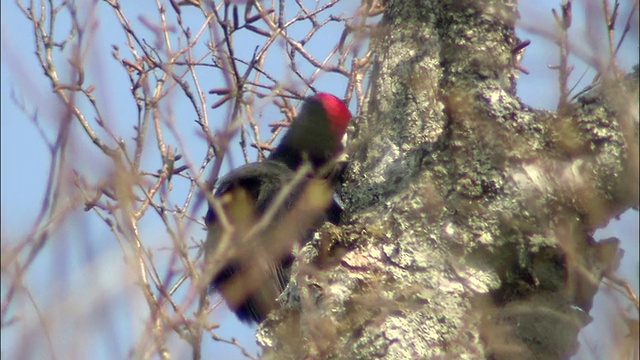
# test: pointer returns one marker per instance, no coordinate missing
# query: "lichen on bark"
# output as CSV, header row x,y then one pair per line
x,y
471,214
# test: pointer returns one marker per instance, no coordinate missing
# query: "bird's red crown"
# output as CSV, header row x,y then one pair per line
x,y
337,112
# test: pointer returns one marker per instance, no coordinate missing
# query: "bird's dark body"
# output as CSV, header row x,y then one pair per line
x,y
263,183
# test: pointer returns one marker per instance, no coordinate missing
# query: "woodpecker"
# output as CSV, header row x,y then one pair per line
x,y
268,206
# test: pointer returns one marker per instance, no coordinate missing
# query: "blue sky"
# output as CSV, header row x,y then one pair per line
x,y
86,243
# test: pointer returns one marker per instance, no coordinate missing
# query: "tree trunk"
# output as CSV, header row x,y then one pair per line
x,y
470,214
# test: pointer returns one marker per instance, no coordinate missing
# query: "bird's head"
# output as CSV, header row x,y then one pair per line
x,y
316,132
337,113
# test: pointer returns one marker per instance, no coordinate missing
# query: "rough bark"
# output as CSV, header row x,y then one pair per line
x,y
470,213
